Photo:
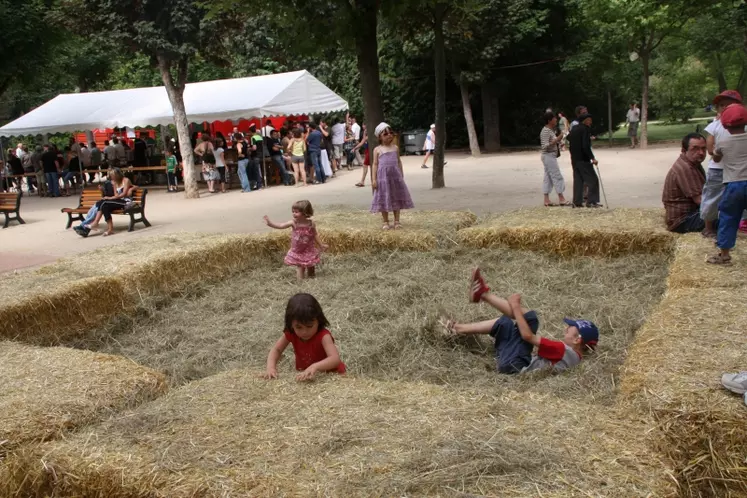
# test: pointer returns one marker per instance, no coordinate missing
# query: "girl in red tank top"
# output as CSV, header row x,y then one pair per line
x,y
313,345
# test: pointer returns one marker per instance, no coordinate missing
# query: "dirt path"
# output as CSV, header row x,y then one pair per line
x,y
492,183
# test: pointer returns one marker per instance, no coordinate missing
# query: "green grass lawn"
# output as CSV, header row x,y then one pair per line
x,y
664,132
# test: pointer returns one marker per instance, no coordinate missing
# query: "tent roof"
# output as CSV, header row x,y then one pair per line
x,y
284,94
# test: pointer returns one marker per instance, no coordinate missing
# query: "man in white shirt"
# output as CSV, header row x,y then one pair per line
x,y
355,128
267,129
713,189
338,140
20,152
631,120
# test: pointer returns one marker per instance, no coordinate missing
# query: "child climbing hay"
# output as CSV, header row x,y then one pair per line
x,y
305,243
313,345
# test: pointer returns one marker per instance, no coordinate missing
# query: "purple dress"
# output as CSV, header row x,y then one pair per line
x,y
391,193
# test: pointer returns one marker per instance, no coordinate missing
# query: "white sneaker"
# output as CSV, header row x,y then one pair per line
x,y
735,382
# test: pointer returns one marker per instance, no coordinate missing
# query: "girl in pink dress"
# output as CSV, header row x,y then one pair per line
x,y
305,243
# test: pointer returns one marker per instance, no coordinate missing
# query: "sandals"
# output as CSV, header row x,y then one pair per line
x,y
359,184
397,225
551,205
477,286
718,259
386,227
107,234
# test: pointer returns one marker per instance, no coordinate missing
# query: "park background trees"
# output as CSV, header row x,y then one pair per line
x,y
483,70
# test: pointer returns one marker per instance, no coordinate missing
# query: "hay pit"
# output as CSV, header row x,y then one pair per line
x,y
236,435
384,310
47,391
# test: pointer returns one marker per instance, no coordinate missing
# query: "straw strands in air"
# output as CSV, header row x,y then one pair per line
x,y
236,435
574,232
47,391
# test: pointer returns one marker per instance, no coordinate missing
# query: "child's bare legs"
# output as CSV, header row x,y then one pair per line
x,y
385,216
311,272
96,220
300,270
396,219
365,172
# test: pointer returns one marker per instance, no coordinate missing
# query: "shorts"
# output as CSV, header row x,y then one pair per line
x,y
337,151
633,129
713,190
297,159
512,353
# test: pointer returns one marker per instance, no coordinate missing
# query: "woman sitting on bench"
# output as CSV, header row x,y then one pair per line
x,y
122,192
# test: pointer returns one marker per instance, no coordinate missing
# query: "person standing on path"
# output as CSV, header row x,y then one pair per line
x,y
429,146
565,129
550,147
338,141
387,179
314,145
583,161
713,189
631,121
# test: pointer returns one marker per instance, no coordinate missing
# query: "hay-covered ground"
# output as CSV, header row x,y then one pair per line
x,y
689,268
236,435
384,311
47,391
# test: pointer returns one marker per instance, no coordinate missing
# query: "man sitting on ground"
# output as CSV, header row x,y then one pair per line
x,y
515,334
683,187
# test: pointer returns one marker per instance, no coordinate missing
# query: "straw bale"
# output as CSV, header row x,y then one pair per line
x,y
574,232
674,369
689,269
55,315
236,435
47,391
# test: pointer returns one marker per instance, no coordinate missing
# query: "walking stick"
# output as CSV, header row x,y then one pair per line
x,y
601,184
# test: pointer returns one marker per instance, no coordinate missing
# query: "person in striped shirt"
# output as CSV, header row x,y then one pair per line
x,y
550,147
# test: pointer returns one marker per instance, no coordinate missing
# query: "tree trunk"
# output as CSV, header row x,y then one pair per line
x,y
645,59
439,64
490,117
175,92
720,76
609,116
367,51
474,144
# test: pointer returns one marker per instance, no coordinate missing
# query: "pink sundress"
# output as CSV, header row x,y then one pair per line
x,y
303,251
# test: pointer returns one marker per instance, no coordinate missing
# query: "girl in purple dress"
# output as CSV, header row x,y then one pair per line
x,y
305,243
387,179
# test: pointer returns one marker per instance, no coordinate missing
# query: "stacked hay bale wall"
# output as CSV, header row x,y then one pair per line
x,y
236,435
47,391
62,300
675,364
574,232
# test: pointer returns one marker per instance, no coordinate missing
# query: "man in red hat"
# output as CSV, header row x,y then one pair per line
x,y
714,186
731,154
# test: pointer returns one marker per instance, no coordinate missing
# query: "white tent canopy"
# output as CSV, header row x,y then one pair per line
x,y
284,94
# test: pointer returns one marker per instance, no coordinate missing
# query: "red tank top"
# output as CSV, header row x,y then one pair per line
x,y
311,351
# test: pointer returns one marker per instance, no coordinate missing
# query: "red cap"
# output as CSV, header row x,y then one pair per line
x,y
733,116
727,94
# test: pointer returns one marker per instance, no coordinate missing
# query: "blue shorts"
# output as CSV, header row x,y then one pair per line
x,y
512,353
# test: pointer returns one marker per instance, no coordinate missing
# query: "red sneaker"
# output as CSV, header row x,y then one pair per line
x,y
743,226
477,286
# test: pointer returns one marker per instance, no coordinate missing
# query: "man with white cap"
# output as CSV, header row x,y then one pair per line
x,y
430,145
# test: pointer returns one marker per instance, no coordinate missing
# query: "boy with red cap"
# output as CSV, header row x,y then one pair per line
x,y
714,186
515,334
731,153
